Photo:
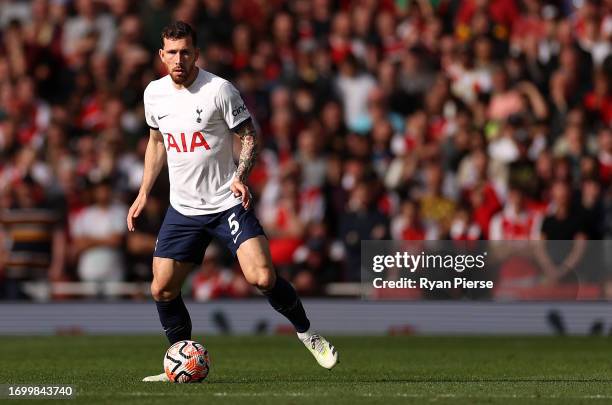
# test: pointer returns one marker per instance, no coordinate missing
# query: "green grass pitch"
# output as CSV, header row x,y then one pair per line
x,y
277,370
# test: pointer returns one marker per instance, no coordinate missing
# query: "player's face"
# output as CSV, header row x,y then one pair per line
x,y
179,56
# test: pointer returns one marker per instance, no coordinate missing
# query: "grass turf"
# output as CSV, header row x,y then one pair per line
x,y
276,370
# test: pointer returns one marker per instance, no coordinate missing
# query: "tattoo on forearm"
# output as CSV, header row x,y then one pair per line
x,y
248,154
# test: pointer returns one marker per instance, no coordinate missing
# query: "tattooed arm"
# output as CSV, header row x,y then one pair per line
x,y
248,157
248,154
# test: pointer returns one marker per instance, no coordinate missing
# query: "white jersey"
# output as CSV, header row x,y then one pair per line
x,y
197,123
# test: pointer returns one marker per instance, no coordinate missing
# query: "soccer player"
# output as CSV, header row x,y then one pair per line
x,y
192,114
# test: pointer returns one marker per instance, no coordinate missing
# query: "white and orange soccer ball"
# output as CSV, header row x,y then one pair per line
x,y
186,362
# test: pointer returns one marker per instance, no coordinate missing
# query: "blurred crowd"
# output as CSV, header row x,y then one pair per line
x,y
388,119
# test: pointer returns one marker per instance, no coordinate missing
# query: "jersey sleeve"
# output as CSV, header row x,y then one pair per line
x,y
233,110
149,115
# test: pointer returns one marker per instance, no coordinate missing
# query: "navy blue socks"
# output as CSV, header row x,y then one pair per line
x,y
175,319
282,297
284,300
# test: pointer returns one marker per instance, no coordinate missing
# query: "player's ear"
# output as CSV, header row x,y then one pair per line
x,y
161,54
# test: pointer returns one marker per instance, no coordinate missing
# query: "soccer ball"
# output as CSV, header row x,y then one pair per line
x,y
186,362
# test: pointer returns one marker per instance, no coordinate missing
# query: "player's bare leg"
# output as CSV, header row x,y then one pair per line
x,y
256,263
168,278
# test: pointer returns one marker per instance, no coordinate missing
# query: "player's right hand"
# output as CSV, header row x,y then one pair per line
x,y
135,210
241,191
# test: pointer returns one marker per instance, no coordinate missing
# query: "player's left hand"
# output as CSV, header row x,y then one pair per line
x,y
241,190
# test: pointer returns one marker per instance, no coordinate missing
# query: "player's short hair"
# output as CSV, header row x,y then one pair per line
x,y
179,30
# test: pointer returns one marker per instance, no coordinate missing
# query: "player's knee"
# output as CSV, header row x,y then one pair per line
x,y
264,278
162,293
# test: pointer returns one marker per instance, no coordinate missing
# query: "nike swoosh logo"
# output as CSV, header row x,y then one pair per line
x,y
159,117
236,238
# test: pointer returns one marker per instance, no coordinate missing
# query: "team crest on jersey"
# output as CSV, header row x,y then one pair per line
x,y
198,111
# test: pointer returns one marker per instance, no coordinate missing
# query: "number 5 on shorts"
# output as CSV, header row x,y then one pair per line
x,y
234,225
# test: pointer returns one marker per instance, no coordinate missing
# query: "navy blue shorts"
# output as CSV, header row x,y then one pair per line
x,y
185,238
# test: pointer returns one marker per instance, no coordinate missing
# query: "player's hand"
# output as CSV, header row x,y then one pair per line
x,y
135,210
241,190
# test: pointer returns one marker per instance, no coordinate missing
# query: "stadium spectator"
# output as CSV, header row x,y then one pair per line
x,y
141,242
436,209
407,225
604,156
98,232
592,209
314,265
353,88
88,31
478,192
516,221
463,226
213,280
32,231
362,220
564,226
308,157
564,221
283,220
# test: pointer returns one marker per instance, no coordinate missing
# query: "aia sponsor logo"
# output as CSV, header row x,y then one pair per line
x,y
181,143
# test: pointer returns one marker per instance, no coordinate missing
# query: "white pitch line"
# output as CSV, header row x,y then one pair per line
x,y
495,396
267,394
370,395
222,394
